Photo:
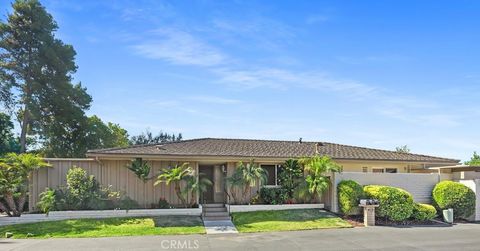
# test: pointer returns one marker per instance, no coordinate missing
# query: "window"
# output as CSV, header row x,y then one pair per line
x,y
385,170
272,174
365,169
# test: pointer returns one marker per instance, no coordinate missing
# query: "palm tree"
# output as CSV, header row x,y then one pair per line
x,y
316,183
233,182
140,168
195,185
251,173
15,170
175,175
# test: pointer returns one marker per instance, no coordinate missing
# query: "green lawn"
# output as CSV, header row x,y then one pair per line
x,y
286,220
107,227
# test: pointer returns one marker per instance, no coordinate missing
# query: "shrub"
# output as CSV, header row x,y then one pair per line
x,y
162,204
273,195
290,176
349,194
395,204
82,188
255,199
47,201
83,192
449,194
423,212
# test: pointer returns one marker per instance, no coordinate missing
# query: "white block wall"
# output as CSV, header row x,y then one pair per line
x,y
475,186
418,184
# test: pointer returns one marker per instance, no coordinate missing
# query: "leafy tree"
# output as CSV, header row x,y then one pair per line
x,y
176,175
15,170
290,176
251,174
140,168
148,138
8,143
316,182
92,133
38,68
474,161
402,149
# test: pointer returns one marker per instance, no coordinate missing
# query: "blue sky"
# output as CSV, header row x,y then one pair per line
x,y
369,73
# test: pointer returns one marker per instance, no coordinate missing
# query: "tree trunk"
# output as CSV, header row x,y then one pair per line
x,y
5,209
246,191
234,194
192,199
21,202
179,195
11,204
23,133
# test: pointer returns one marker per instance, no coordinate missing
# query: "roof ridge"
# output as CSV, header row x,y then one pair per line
x,y
324,142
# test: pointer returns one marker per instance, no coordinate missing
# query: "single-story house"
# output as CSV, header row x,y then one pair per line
x,y
217,158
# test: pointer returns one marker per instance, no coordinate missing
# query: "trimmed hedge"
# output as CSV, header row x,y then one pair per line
x,y
349,195
450,194
395,204
423,212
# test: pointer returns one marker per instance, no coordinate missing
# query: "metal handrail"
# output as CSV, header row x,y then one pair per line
x,y
228,202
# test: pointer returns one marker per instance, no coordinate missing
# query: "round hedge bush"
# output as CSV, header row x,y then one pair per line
x,y
450,194
423,212
395,204
349,194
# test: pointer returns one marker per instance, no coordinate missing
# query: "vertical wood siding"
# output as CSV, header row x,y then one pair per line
x,y
112,173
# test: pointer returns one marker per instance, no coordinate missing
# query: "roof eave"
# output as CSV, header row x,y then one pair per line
x,y
240,157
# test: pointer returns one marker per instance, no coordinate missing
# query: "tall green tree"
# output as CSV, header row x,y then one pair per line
x,y
91,133
402,149
8,142
38,68
474,161
148,138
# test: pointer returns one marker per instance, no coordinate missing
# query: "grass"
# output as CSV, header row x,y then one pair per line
x,y
286,220
107,227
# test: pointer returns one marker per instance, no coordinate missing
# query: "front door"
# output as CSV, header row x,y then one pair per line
x,y
216,192
207,196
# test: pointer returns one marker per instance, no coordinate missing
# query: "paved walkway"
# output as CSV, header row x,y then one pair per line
x,y
220,227
459,237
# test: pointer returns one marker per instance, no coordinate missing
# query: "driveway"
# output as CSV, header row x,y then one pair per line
x,y
459,237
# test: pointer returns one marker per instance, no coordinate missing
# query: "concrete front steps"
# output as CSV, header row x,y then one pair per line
x,y
215,212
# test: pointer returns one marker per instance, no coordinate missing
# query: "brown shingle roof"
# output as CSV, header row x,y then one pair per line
x,y
264,149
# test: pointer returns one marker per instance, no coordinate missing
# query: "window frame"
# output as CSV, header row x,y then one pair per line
x,y
277,166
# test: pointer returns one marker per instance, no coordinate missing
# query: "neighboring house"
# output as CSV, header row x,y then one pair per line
x,y
217,159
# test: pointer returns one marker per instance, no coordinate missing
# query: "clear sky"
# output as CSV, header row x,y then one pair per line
x,y
369,73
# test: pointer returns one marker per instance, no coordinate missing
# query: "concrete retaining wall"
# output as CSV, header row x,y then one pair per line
x,y
250,208
65,215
